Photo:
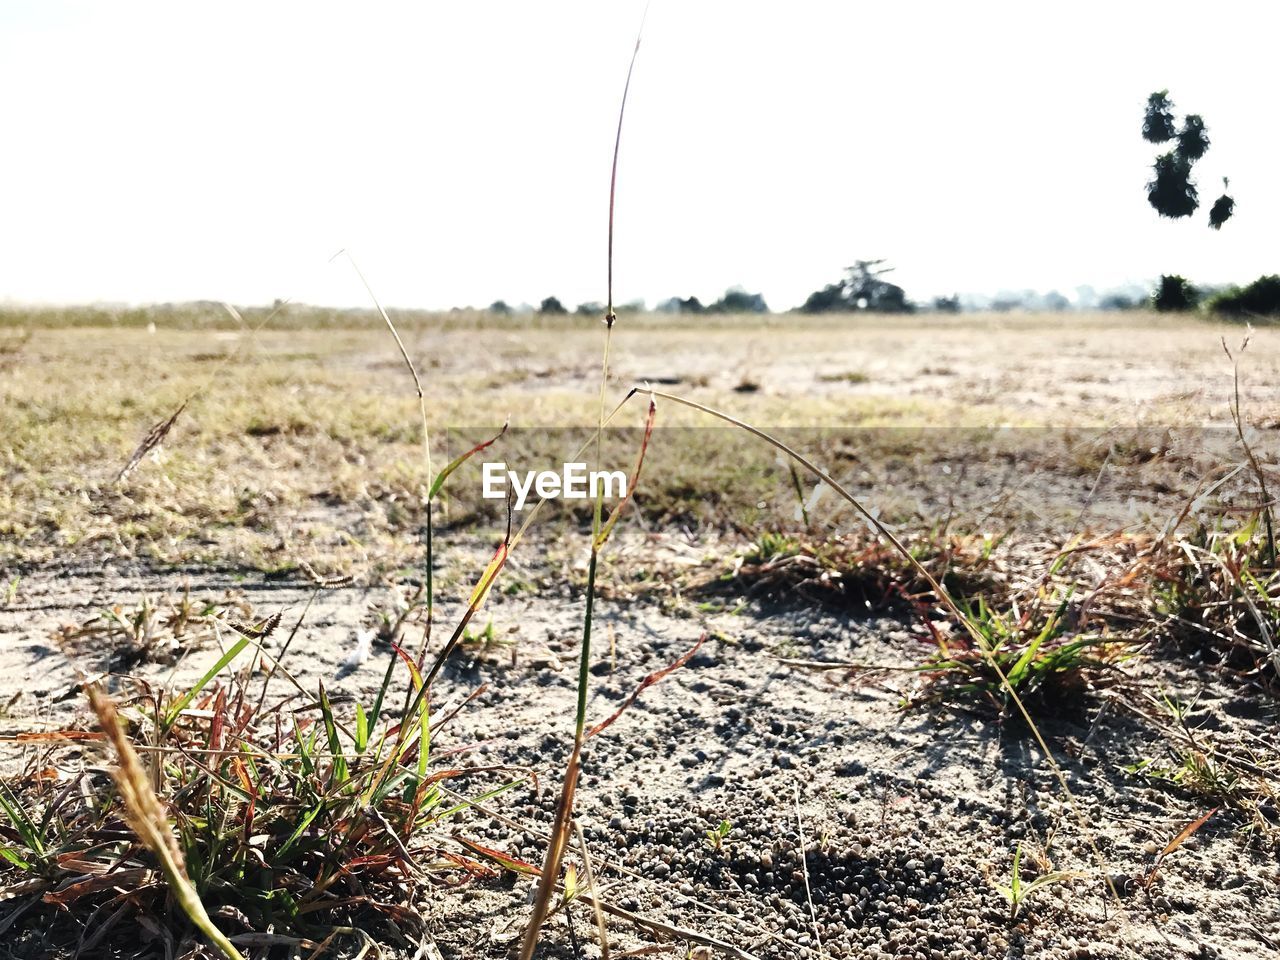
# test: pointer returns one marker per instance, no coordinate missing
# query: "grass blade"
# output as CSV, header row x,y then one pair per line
x,y
147,818
555,855
453,465
614,514
647,682
1183,836
182,702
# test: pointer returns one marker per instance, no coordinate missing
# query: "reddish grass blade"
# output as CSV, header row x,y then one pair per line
x,y
614,514
1183,836
371,860
453,465
120,878
645,684
48,735
504,860
414,673
242,774
218,721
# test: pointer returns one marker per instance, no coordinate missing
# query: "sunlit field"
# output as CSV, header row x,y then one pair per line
x,y
1009,576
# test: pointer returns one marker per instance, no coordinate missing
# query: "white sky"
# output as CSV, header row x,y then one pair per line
x,y
166,151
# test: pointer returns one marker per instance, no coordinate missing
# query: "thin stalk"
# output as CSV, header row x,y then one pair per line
x,y
617,149
1238,420
601,931
422,412
564,813
584,661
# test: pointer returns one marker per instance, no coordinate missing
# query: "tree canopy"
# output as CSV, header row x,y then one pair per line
x,y
862,288
1171,189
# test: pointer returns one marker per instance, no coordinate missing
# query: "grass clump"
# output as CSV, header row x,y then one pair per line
x,y
856,571
1021,625
289,816
1218,589
149,631
1209,766
1033,652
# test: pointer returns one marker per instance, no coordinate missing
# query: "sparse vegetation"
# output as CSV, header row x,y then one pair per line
x,y
240,811
1018,891
716,837
288,816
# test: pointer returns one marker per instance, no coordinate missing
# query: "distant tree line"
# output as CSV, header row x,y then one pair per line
x,y
1259,299
735,300
864,289
552,306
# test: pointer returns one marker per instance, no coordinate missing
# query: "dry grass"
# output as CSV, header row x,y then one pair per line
x,y
291,445
304,817
302,445
274,813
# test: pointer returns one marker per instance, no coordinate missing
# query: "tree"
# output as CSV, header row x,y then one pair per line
x,y
677,305
1222,208
828,299
500,306
1171,191
1193,139
863,288
737,300
591,308
551,306
1055,301
1175,294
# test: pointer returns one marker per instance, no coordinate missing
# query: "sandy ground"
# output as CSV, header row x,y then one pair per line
x,y
857,828
905,817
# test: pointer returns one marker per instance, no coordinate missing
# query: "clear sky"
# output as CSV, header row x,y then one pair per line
x,y
174,151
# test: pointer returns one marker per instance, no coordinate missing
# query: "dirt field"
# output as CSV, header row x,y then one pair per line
x,y
873,806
